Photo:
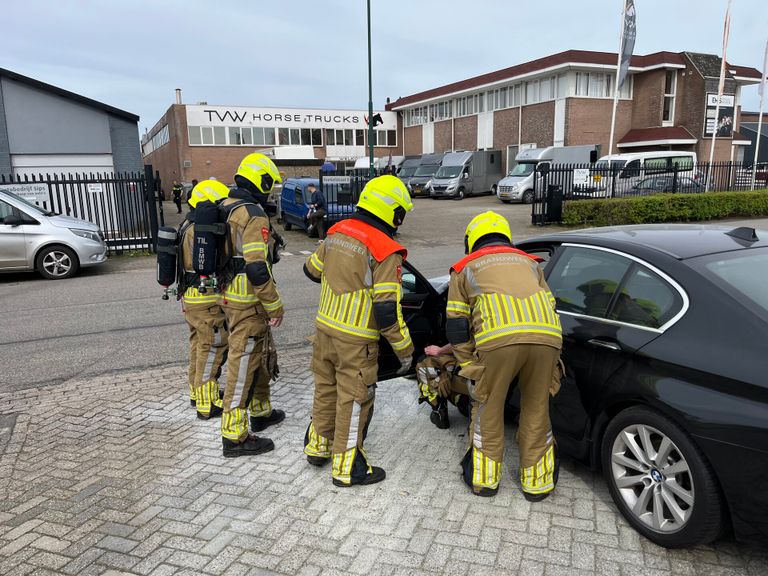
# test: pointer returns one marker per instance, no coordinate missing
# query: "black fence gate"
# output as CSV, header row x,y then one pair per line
x,y
553,185
341,191
123,205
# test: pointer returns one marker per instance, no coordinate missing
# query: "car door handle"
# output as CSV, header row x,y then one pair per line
x,y
613,346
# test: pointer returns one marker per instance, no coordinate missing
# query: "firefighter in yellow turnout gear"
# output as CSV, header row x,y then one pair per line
x,y
359,269
207,323
253,306
503,324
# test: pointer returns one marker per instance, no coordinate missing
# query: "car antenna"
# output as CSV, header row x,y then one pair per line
x,y
744,233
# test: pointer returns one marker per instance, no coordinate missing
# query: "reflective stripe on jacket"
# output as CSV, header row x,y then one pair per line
x,y
356,278
505,299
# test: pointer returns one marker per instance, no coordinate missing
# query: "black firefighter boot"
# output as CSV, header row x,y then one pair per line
x,y
259,423
251,446
214,413
555,475
439,415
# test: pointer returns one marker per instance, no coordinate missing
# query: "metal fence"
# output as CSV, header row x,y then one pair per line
x,y
123,205
553,185
342,191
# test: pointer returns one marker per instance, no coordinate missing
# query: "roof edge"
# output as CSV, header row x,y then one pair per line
x,y
67,94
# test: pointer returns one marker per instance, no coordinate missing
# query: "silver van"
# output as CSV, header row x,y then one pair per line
x,y
467,173
35,239
518,185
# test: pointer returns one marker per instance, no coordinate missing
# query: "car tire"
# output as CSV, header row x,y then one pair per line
x,y
528,197
494,189
680,508
56,262
459,194
286,225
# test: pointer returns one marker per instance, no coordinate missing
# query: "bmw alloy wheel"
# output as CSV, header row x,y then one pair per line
x,y
653,478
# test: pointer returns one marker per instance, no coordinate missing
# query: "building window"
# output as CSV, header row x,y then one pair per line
x,y
247,135
386,138
207,135
532,92
219,136
562,86
235,136
517,95
670,87
194,136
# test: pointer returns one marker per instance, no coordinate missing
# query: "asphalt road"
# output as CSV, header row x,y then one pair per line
x,y
112,318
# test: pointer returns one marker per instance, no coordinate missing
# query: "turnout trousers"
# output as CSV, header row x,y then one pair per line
x,y
535,366
208,352
248,381
345,387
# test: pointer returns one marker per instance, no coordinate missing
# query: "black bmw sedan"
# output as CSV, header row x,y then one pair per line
x,y
665,331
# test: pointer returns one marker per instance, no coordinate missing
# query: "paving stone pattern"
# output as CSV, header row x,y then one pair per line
x,y
114,475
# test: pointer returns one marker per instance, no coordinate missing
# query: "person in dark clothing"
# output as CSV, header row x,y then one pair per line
x,y
317,211
177,191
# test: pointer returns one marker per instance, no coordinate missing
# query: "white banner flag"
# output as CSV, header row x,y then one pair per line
x,y
765,72
726,33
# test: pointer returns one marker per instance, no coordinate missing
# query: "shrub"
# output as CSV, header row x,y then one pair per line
x,y
665,208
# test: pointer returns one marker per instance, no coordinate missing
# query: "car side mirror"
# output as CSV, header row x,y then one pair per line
x,y
12,220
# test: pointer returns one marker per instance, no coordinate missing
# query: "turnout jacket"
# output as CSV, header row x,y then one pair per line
x,y
359,270
497,296
250,244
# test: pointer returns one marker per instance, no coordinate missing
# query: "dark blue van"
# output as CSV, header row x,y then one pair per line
x,y
294,203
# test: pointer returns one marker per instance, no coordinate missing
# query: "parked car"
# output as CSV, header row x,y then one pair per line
x,y
294,203
665,183
629,169
35,239
665,335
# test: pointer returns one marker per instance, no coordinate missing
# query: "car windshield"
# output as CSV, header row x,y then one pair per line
x,y
742,273
427,170
406,172
29,204
523,169
448,172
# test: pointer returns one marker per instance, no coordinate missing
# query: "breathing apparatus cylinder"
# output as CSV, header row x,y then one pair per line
x,y
167,250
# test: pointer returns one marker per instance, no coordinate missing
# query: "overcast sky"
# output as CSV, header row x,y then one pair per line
x,y
132,54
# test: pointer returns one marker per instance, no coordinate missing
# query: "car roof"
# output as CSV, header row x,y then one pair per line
x,y
680,241
304,181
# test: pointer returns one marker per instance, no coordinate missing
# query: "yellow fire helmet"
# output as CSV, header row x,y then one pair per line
x,y
483,224
208,190
260,171
387,198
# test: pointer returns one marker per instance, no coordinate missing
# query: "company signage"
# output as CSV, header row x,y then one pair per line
x,y
724,121
285,117
34,192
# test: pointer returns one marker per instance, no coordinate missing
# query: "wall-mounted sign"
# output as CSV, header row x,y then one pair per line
x,y
725,117
34,192
285,117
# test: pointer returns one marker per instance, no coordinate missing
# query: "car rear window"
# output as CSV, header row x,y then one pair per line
x,y
745,271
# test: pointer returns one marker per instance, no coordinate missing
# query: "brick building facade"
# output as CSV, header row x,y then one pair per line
x,y
200,141
567,98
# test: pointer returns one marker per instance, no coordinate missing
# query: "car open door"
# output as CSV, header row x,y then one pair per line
x,y
424,313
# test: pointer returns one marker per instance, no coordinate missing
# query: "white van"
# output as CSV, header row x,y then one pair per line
x,y
629,169
518,184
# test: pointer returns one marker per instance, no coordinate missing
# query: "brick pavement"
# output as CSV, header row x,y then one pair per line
x,y
114,475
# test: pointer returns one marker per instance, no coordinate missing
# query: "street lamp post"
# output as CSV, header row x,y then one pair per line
x,y
370,99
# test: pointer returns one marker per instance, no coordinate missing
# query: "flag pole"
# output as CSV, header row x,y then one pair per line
x,y
616,82
760,120
720,88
